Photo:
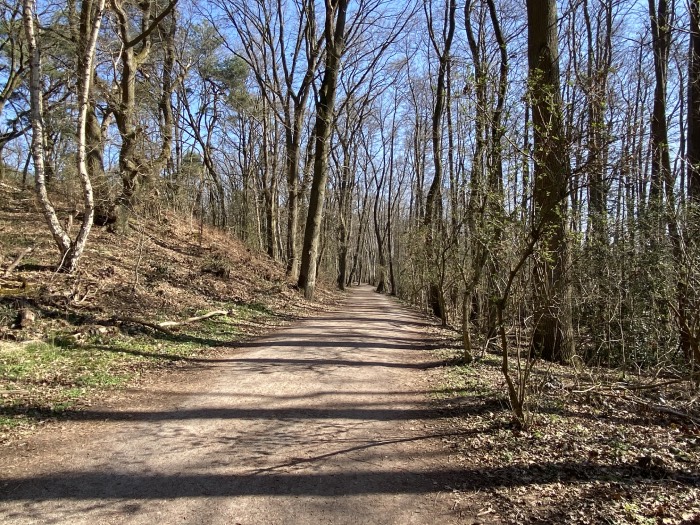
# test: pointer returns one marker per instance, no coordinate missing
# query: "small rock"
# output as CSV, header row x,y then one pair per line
x,y
26,318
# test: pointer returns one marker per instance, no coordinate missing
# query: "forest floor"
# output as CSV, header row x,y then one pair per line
x,y
361,413
599,448
98,329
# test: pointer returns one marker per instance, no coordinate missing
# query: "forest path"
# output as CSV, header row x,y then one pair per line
x,y
326,421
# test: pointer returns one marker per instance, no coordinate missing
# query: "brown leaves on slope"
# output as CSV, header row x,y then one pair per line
x,y
597,452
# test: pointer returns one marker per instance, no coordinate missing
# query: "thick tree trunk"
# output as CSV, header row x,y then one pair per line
x,y
132,164
687,297
693,145
660,157
553,335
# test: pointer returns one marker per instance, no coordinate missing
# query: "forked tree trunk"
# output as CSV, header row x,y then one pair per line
x,y
336,12
133,53
71,251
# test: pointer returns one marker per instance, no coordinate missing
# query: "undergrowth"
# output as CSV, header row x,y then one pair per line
x,y
600,449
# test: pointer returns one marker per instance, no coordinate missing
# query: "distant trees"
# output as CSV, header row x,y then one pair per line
x,y
282,46
368,16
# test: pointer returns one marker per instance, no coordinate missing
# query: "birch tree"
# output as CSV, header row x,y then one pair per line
x,y
70,249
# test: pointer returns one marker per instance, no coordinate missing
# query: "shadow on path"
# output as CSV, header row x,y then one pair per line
x,y
100,485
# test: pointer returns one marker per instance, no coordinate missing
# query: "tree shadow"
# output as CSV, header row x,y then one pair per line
x,y
90,485
423,412
33,267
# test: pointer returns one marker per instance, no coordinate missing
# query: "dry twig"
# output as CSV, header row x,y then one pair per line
x,y
18,260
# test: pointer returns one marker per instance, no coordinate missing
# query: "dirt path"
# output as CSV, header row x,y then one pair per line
x,y
328,421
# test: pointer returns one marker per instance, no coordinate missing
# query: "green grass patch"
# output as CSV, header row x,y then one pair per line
x,y
40,380
52,364
8,422
254,308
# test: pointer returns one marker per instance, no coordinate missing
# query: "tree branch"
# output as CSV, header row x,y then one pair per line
x,y
140,38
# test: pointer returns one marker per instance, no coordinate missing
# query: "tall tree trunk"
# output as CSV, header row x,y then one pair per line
x,y
71,251
688,299
660,157
134,51
336,12
345,193
381,254
292,160
269,181
693,144
94,136
361,228
553,336
597,71
433,203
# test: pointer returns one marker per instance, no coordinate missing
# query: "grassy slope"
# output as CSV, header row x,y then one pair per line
x,y
86,338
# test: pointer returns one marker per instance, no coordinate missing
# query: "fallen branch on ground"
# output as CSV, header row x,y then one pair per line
x,y
165,325
617,394
147,324
215,313
18,260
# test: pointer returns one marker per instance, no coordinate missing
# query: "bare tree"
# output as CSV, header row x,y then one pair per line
x,y
442,44
694,105
336,17
71,250
281,46
14,68
133,52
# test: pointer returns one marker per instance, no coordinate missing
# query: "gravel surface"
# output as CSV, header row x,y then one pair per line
x,y
327,421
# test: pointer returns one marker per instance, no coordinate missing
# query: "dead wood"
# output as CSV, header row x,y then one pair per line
x,y
215,313
18,260
669,410
616,393
165,325
147,324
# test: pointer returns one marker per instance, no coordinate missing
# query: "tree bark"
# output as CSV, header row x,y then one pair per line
x,y
133,52
693,144
336,12
553,335
433,202
71,251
